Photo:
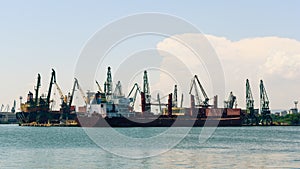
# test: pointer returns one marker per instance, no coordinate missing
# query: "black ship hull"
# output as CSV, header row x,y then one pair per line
x,y
98,121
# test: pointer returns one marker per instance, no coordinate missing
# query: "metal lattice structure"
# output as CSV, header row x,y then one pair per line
x,y
194,83
251,116
264,106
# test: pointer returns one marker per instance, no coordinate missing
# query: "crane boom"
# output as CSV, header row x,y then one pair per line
x,y
82,93
202,89
193,84
37,90
118,89
137,90
159,103
53,80
72,94
181,102
99,87
59,91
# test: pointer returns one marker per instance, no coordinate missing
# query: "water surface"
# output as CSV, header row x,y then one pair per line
x,y
236,147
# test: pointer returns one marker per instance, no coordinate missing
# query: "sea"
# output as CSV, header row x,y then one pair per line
x,y
88,148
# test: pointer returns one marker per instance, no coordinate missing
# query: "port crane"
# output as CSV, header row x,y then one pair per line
x,y
66,101
145,95
251,116
66,106
175,98
81,92
108,83
44,106
171,106
37,109
230,102
264,106
136,89
118,90
159,104
194,83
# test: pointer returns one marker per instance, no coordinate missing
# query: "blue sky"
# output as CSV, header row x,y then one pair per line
x,y
38,35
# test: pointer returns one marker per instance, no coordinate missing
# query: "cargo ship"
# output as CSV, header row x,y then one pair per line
x,y
117,112
113,109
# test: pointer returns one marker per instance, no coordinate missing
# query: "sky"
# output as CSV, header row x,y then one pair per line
x,y
39,35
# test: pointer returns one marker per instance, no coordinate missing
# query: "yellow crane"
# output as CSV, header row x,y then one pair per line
x,y
81,91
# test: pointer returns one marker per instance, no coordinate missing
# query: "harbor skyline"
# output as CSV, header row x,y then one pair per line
x,y
149,84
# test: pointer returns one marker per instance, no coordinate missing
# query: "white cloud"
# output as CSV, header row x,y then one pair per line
x,y
284,65
184,56
274,59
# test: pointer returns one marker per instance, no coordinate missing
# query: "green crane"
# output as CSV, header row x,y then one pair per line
x,y
249,97
108,83
264,106
146,92
252,114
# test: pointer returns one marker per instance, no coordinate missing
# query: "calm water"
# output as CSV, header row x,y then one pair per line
x,y
245,147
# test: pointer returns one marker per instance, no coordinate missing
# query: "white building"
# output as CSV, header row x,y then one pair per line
x,y
293,111
283,113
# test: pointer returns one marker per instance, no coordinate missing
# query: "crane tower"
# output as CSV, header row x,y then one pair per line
x,y
146,97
